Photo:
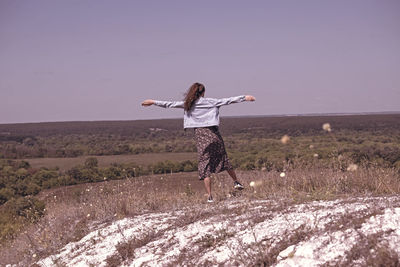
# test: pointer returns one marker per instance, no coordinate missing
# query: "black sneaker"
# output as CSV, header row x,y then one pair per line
x,y
210,199
238,185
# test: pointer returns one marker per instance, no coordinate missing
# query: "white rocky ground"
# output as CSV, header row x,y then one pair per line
x,y
232,232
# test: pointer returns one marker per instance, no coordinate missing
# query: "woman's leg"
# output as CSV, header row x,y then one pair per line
x,y
236,183
232,174
207,184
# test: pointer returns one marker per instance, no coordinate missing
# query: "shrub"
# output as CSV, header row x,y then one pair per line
x,y
113,172
17,213
6,194
44,175
81,174
27,207
21,173
32,189
91,163
24,164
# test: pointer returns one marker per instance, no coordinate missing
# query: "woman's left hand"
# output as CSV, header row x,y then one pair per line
x,y
148,102
250,98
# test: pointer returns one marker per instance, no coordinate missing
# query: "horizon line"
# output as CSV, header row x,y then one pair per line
x,y
238,116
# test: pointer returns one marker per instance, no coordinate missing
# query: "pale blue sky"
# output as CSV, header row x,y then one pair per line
x,y
97,60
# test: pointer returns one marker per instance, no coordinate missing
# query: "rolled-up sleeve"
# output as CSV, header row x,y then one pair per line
x,y
169,104
229,100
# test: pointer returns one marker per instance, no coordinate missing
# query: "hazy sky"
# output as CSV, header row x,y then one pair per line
x,y
97,60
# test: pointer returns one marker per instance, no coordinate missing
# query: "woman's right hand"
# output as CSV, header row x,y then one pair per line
x,y
148,102
250,98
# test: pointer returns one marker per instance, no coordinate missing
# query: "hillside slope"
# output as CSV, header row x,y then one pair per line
x,y
352,231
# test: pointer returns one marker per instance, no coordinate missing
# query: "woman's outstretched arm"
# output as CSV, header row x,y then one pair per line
x,y
164,104
234,99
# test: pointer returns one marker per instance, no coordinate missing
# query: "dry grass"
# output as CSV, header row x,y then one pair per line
x,y
383,256
125,249
71,212
262,253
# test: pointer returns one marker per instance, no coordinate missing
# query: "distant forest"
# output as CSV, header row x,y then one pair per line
x,y
72,139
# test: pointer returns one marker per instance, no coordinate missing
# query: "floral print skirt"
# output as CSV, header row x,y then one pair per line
x,y
211,151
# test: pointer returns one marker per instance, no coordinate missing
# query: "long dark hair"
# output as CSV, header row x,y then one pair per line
x,y
194,93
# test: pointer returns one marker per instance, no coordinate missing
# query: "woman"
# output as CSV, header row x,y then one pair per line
x,y
202,114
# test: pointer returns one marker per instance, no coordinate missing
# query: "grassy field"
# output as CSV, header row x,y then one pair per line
x,y
105,161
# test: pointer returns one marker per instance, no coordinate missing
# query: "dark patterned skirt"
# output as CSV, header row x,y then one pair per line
x,y
211,151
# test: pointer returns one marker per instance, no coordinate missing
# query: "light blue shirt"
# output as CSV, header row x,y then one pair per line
x,y
204,112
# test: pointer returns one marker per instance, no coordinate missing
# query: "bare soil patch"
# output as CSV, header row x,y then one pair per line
x,y
105,161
